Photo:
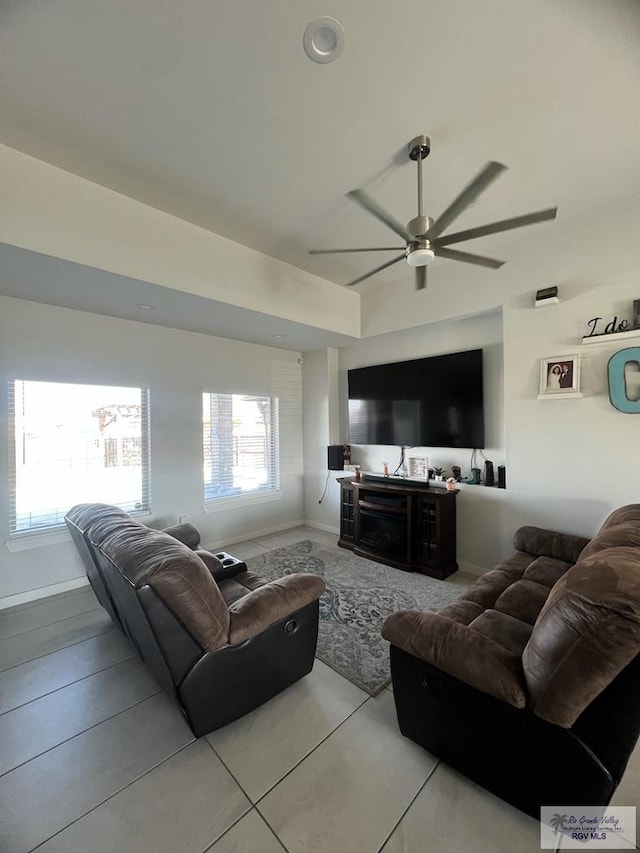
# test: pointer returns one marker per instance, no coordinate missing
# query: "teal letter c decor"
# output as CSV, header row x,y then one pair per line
x,y
617,383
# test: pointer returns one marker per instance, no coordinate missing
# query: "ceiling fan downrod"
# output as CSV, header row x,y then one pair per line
x,y
419,149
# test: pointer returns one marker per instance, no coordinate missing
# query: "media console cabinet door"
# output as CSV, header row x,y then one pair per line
x,y
347,515
435,534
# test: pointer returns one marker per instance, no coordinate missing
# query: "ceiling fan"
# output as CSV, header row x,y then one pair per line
x,y
422,234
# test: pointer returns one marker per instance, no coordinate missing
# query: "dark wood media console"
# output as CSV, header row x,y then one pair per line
x,y
402,525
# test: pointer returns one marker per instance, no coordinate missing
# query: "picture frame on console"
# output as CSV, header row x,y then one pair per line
x,y
559,377
418,467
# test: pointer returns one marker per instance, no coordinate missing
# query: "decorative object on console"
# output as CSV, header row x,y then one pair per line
x,y
547,296
456,472
619,380
438,474
502,477
488,473
418,467
451,483
559,377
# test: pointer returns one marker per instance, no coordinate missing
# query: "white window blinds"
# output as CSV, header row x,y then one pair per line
x,y
240,442
72,444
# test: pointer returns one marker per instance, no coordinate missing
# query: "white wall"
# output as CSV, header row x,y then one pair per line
x,y
321,428
57,344
577,459
477,506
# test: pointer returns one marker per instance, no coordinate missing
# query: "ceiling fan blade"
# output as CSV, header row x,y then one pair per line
x,y
496,227
467,196
374,209
377,269
468,258
421,278
341,251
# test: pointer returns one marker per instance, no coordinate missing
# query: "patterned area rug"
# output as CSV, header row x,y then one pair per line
x,y
360,594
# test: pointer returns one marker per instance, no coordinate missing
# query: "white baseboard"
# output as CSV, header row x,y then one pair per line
x,y
326,527
221,544
471,569
42,592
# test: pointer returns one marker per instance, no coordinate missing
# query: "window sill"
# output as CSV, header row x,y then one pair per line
x,y
43,538
224,504
33,539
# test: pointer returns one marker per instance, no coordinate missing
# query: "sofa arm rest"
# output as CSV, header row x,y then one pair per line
x,y
185,533
267,604
549,543
220,571
459,651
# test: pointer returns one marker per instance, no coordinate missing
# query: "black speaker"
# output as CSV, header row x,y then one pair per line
x,y
502,477
488,473
338,455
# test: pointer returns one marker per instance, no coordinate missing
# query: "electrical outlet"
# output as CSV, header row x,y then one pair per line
x,y
182,519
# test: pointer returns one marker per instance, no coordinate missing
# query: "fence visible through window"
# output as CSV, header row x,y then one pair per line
x,y
240,437
74,444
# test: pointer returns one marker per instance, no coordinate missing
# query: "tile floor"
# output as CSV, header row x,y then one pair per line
x,y
95,758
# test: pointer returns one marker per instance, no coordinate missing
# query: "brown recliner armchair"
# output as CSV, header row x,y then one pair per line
x,y
530,683
217,637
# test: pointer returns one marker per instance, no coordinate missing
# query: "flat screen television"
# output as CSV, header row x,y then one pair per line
x,y
426,402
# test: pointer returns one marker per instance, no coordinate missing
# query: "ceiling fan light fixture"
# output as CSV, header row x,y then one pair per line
x,y
420,257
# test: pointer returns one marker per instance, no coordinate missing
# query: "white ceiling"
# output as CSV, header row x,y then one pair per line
x,y
53,281
212,111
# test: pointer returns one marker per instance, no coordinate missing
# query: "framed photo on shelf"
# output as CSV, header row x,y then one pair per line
x,y
559,377
418,467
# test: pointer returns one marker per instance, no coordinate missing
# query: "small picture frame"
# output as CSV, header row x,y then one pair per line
x,y
418,467
559,377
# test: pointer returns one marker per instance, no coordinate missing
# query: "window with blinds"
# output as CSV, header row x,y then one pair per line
x,y
73,444
240,439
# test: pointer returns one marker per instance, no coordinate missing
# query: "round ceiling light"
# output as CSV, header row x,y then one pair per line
x,y
420,257
323,39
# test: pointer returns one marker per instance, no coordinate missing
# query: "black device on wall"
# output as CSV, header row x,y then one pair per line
x,y
338,455
426,402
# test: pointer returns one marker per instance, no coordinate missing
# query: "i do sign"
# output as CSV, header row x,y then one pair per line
x,y
624,365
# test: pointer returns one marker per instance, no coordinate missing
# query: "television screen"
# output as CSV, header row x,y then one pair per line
x,y
426,402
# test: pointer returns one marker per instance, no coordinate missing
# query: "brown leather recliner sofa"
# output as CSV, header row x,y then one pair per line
x,y
217,637
529,684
